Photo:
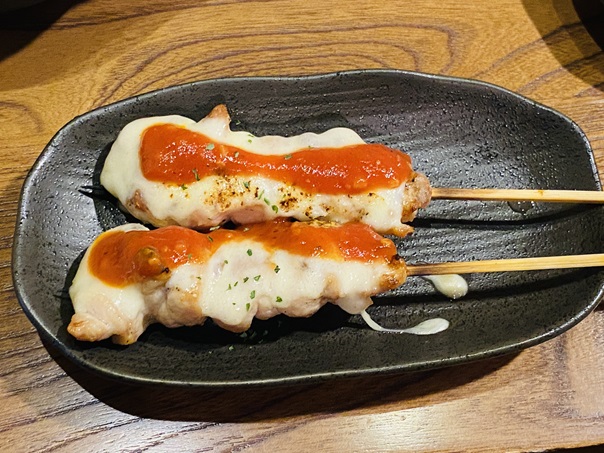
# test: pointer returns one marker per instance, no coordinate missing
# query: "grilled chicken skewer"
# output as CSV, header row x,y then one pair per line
x,y
131,277
173,171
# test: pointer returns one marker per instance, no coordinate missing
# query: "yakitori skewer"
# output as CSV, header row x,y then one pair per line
x,y
131,276
172,170
552,196
508,265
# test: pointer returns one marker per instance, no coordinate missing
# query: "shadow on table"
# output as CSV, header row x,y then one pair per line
x,y
252,404
591,13
20,27
586,59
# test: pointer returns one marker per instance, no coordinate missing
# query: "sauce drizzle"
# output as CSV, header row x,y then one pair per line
x,y
173,154
120,258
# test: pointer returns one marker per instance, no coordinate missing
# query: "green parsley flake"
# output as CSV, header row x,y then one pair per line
x,y
268,203
249,252
226,261
196,174
236,283
277,269
257,277
184,187
275,208
279,299
210,146
253,294
210,239
247,306
245,279
229,288
288,156
260,195
246,184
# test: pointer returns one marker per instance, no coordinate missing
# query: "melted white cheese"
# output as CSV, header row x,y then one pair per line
x,y
453,286
428,327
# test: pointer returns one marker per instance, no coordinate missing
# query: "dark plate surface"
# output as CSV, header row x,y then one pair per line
x,y
459,133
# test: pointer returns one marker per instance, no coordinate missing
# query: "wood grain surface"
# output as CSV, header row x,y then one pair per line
x,y
60,59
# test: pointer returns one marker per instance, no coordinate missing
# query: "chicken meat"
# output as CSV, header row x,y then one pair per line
x,y
131,277
171,170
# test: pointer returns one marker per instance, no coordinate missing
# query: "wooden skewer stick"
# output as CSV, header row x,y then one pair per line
x,y
508,265
552,196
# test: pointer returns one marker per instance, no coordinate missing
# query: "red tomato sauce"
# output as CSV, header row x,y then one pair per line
x,y
175,155
120,258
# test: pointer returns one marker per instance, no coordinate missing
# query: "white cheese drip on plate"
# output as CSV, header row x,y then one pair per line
x,y
453,286
428,327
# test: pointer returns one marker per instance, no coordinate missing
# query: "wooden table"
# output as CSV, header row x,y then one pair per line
x,y
67,57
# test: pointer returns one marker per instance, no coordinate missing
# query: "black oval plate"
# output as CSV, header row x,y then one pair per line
x,y
460,133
